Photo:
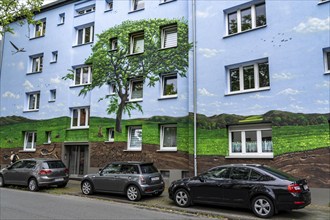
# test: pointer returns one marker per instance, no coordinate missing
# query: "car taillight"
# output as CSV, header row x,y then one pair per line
x,y
45,172
143,180
294,188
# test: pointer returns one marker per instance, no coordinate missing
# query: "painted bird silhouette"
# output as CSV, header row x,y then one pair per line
x,y
16,48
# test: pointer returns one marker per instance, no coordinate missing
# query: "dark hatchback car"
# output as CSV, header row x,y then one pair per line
x,y
263,189
133,179
35,173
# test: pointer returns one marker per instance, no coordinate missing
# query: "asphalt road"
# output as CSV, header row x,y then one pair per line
x,y
18,204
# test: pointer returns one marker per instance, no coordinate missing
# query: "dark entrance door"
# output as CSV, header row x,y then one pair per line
x,y
77,159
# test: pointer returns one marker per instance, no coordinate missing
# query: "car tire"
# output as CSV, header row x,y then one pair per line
x,y
182,198
2,181
262,207
33,185
133,193
87,188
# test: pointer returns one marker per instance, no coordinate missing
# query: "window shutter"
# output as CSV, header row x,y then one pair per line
x,y
170,38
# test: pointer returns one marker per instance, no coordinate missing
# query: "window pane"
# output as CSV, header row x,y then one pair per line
x,y
251,141
260,15
85,76
135,138
137,90
236,144
328,60
170,38
77,78
232,23
40,64
263,75
37,97
82,117
138,4
31,101
169,139
87,34
248,74
234,80
170,86
138,46
246,19
75,117
80,36
240,173
266,138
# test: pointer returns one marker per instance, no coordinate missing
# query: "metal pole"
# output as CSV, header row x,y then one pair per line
x,y
194,84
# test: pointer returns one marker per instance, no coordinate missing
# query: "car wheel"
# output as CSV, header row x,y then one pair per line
x,y
2,181
87,188
133,193
33,185
182,198
262,207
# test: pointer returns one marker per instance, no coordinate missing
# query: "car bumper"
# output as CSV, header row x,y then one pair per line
x,y
297,201
46,181
154,189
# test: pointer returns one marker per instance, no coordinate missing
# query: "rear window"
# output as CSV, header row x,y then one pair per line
x,y
277,173
148,168
53,164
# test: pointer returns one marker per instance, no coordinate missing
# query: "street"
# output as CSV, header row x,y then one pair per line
x,y
19,204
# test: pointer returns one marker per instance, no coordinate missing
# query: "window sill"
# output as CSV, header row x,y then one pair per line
x,y
51,101
79,15
134,54
34,110
74,86
80,45
47,143
167,150
27,151
60,24
77,128
52,62
327,72
107,10
33,38
164,3
167,48
248,91
135,100
141,9
133,150
250,156
322,2
168,97
242,32
33,73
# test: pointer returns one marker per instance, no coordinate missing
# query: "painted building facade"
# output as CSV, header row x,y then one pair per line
x,y
257,89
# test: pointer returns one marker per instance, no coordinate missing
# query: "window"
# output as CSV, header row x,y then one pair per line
x,y
80,118
169,36
83,75
48,137
240,173
165,174
108,5
252,76
36,63
137,5
169,86
112,89
54,57
168,137
137,43
111,134
113,43
248,18
136,90
52,96
85,35
61,18
166,1
219,173
30,141
326,54
33,101
134,138
85,10
40,28
250,140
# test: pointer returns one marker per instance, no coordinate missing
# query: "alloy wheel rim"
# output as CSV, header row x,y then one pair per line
x,y
181,198
132,193
1,181
262,207
32,185
86,188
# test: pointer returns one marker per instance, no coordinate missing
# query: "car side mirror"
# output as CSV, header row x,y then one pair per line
x,y
201,178
100,172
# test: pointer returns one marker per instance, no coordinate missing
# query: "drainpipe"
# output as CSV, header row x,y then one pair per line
x,y
194,83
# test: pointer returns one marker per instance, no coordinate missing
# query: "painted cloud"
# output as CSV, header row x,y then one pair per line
x,y
205,13
204,92
313,25
27,85
10,95
206,52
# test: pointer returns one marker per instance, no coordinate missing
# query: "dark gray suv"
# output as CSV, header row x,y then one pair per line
x,y
134,179
35,173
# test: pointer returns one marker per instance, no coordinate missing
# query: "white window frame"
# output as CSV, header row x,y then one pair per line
x,y
239,17
326,60
86,122
166,1
133,81
163,81
86,10
108,5
129,147
35,98
36,63
162,137
133,39
241,77
49,137
137,5
113,43
52,95
243,129
32,146
83,34
165,31
40,28
61,18
111,134
81,80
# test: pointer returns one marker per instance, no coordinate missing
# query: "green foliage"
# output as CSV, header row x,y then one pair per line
x,y
21,11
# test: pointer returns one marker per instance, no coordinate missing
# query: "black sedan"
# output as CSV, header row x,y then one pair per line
x,y
263,189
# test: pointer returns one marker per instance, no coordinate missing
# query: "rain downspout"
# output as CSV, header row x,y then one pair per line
x,y
194,83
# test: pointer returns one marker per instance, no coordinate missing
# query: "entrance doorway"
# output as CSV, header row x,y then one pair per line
x,y
77,157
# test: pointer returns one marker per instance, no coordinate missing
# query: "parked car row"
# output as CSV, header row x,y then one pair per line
x,y
260,188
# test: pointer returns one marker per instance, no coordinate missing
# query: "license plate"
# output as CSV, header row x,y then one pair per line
x,y
154,178
59,179
305,187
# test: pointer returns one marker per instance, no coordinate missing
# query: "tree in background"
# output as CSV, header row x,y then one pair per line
x,y
133,50
15,10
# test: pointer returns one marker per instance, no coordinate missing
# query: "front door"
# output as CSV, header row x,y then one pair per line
x,y
77,159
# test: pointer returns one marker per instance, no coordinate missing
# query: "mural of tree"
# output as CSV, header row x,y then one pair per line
x,y
135,50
